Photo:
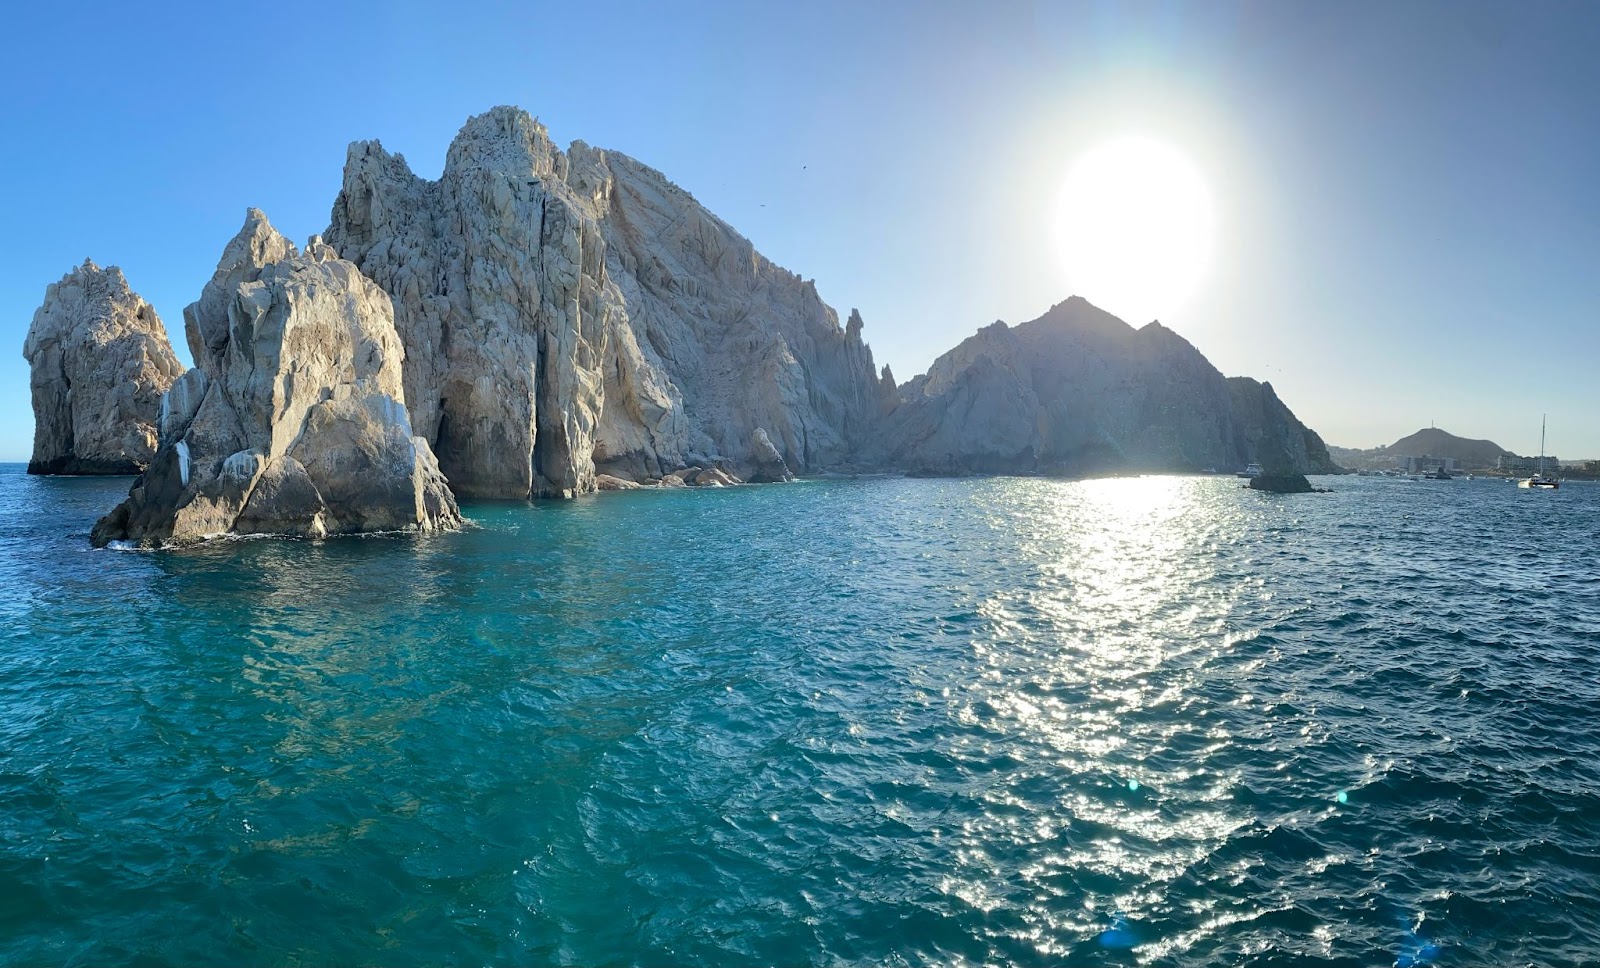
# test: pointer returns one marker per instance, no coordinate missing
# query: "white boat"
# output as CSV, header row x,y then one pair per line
x,y
1541,481
1254,470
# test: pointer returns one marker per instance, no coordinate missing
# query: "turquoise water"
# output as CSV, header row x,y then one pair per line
x,y
1155,721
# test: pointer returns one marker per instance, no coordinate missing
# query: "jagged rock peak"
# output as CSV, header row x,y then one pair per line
x,y
296,422
501,300
99,362
505,139
572,314
256,245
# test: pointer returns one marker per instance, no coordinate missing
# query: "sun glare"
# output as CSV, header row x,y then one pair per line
x,y
1134,226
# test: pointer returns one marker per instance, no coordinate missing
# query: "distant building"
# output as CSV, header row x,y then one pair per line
x,y
1426,464
1547,464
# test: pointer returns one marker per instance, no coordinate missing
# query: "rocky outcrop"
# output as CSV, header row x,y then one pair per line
x,y
714,477
501,300
572,313
100,361
1080,392
1281,484
770,467
294,419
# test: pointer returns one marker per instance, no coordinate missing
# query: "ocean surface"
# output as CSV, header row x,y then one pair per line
x,y
1161,721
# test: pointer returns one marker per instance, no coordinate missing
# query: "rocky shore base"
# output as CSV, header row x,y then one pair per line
x,y
685,477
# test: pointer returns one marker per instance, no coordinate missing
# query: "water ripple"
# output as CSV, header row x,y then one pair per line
x,y
1151,721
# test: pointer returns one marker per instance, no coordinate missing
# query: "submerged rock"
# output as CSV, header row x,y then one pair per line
x,y
293,421
100,361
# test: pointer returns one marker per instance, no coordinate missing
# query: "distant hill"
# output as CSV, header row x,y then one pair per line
x,y
1438,443
1431,441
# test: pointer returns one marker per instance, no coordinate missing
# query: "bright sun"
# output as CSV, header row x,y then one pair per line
x,y
1134,227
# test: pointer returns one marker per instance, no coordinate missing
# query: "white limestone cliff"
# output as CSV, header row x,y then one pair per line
x,y
100,361
565,313
294,419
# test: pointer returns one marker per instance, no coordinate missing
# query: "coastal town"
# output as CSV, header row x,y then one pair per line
x,y
1438,454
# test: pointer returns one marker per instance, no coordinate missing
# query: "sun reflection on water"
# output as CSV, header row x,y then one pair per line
x,y
990,721
1094,664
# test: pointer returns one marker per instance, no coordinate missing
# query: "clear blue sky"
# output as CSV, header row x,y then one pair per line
x,y
1407,195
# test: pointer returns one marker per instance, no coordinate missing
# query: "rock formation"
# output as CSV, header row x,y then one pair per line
x,y
100,362
293,420
550,323
770,467
1281,483
1281,444
1080,392
565,313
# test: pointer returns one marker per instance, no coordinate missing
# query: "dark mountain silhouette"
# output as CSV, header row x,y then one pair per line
x,y
1439,443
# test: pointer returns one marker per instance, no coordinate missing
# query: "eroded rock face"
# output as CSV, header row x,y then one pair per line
x,y
770,467
719,334
1280,443
100,361
500,298
1079,392
294,419
565,313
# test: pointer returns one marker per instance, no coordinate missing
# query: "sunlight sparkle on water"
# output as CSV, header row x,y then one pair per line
x,y
928,720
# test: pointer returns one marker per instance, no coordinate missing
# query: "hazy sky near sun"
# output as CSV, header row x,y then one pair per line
x,y
1406,196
